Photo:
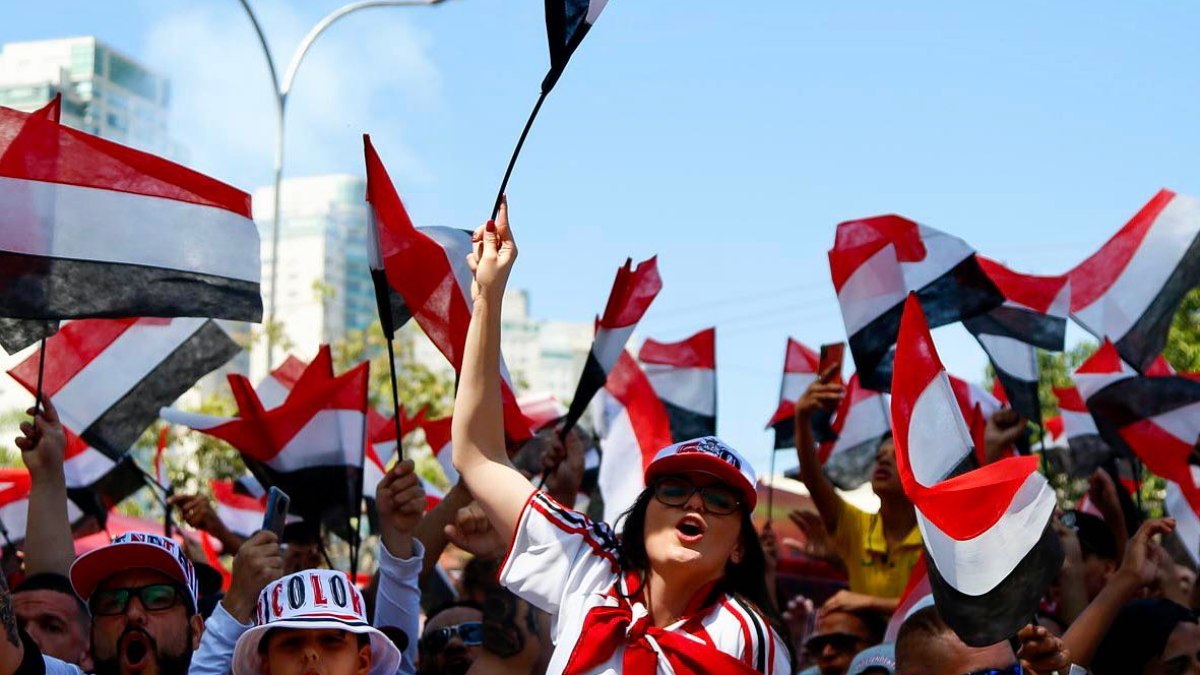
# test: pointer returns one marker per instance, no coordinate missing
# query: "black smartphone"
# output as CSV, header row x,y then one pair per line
x,y
831,357
277,511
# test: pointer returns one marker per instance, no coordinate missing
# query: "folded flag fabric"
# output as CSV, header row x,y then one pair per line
x,y
312,446
1128,291
273,390
1155,417
876,262
109,377
567,22
542,409
17,334
684,375
991,553
1181,503
437,435
632,292
91,228
799,371
1087,451
633,426
1033,316
858,428
15,485
917,595
427,270
241,513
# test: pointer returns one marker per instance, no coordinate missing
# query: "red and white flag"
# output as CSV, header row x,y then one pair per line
x,y
917,595
991,551
1078,433
632,292
91,228
684,374
437,435
859,427
799,371
1128,291
15,485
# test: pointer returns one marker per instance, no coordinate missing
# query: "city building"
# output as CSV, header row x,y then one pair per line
x,y
103,91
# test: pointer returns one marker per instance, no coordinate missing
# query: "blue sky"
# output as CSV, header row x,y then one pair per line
x,y
727,137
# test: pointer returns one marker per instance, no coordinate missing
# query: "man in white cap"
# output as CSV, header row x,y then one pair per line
x,y
313,621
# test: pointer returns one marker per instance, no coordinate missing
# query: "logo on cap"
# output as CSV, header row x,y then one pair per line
x,y
711,445
311,593
170,546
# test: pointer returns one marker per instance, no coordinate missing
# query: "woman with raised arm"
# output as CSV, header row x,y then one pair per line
x,y
681,590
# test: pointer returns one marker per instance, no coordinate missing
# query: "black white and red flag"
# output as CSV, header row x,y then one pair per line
x,y
1077,432
96,483
633,426
859,426
15,485
876,262
684,374
567,22
1033,316
1153,417
632,292
426,269
1128,291
109,377
92,228
312,446
799,371
991,554
917,595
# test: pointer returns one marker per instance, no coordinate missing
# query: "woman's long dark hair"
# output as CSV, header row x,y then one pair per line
x,y
746,580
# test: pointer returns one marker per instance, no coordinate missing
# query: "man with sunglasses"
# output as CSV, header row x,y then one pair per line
x,y
451,640
841,634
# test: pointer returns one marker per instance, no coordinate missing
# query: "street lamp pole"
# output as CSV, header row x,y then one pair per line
x,y
281,91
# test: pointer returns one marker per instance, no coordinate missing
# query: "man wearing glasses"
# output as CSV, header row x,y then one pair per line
x,y
839,636
451,640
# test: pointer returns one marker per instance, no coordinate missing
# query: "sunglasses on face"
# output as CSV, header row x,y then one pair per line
x,y
839,642
718,499
1014,669
154,598
471,634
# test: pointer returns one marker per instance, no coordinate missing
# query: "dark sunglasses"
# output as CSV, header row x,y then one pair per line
x,y
718,499
839,642
1014,669
470,632
154,598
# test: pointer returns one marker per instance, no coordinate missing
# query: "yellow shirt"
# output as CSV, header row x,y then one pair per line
x,y
873,568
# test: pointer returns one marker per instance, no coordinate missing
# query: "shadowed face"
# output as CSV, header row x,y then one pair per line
x,y
450,655
839,636
885,480
324,651
945,654
56,623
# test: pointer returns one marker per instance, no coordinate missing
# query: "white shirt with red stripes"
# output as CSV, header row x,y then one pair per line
x,y
563,563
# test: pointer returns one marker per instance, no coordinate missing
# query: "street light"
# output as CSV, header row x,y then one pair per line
x,y
281,91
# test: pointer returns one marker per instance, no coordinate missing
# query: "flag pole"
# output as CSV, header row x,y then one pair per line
x,y
37,404
395,401
517,151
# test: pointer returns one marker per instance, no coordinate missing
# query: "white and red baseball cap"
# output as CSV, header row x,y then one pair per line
x,y
708,454
134,550
312,600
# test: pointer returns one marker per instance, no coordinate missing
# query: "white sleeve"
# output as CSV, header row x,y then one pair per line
x,y
221,633
558,553
398,600
56,667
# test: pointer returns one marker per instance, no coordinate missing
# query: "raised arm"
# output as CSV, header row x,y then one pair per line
x,y
49,546
822,393
478,429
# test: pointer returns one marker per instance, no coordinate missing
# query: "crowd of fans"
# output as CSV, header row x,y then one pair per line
x,y
686,585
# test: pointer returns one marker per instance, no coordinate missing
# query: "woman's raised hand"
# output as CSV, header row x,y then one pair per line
x,y
493,253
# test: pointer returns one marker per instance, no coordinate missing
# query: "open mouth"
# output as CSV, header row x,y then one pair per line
x,y
882,473
135,648
690,528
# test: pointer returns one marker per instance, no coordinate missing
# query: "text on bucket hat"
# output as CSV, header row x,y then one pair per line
x,y
710,455
312,600
134,550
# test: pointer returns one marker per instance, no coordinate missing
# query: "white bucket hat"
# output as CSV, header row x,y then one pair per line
x,y
313,600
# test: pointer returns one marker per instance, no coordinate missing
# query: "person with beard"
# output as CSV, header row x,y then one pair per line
x,y
451,640
54,617
683,589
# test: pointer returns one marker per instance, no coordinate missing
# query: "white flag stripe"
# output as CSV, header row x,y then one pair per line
x,y
242,522
621,477
1156,259
330,438
1077,423
935,416
86,468
115,371
872,289
867,420
689,388
1187,525
608,345
594,9
794,385
976,566
1182,423
456,244
1015,357
120,227
271,392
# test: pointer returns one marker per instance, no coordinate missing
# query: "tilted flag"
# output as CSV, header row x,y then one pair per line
x,y
427,268
567,22
633,427
991,553
876,262
312,446
15,485
109,377
684,375
1155,417
273,390
632,292
95,482
799,371
859,427
1086,449
91,228
1128,291
917,595
1033,316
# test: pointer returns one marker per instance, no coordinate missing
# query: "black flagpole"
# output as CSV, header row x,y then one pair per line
x,y
395,401
517,151
37,404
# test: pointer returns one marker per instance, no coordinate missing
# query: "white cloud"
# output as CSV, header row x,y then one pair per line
x,y
368,72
